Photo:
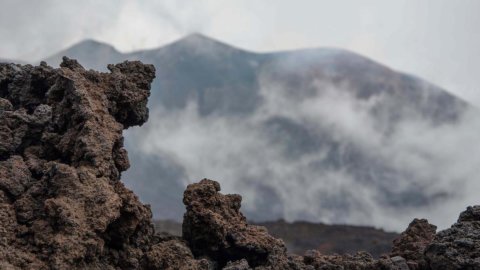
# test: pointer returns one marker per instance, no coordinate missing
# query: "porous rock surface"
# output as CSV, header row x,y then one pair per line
x,y
459,246
63,205
214,227
412,243
61,155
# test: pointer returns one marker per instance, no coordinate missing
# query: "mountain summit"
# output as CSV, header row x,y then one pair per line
x,y
94,52
198,39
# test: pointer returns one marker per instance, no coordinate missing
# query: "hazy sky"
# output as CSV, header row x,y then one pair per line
x,y
438,40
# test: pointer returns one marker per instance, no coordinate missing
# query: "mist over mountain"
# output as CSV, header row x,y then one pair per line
x,y
374,146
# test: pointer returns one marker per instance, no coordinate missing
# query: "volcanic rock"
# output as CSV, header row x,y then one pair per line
x,y
459,246
214,227
359,261
61,155
413,241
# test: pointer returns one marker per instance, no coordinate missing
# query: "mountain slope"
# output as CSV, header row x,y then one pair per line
x,y
95,54
368,140
215,75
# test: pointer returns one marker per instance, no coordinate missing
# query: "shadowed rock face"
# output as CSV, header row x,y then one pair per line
x,y
413,241
61,155
459,246
234,239
63,206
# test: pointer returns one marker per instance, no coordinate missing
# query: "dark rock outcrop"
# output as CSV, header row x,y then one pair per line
x,y
214,227
412,243
63,206
61,155
459,246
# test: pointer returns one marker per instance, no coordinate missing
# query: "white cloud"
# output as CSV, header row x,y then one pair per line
x,y
442,161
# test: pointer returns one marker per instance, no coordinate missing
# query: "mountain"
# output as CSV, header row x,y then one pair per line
x,y
215,75
361,135
95,54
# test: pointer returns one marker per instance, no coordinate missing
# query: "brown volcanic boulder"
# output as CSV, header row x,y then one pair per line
x,y
413,241
174,254
214,226
459,246
61,155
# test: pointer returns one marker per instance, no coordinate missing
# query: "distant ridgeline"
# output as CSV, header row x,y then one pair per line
x,y
263,123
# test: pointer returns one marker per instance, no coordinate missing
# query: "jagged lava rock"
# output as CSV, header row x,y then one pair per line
x,y
61,155
459,246
214,226
412,243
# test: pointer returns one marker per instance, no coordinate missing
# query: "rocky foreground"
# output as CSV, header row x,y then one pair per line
x,y
63,205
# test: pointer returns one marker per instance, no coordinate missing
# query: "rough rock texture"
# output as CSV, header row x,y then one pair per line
x,y
63,206
359,261
61,155
459,246
412,243
231,238
215,228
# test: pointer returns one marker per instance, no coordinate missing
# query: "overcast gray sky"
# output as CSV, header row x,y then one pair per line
x,y
438,40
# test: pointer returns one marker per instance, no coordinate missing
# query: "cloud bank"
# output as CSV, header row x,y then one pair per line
x,y
251,156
